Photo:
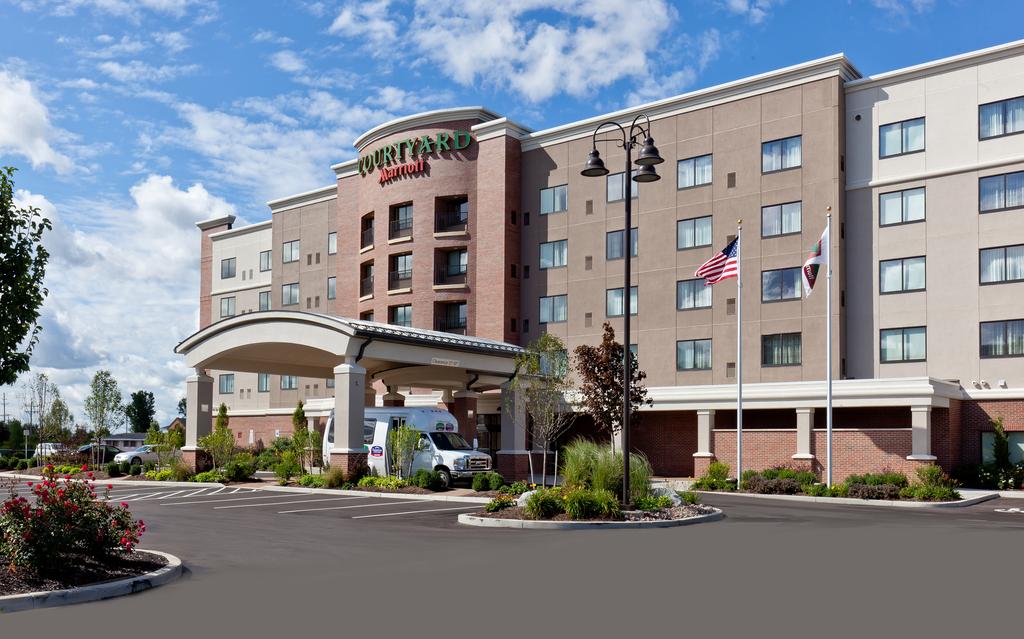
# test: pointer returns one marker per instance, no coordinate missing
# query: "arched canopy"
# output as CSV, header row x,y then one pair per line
x,y
312,345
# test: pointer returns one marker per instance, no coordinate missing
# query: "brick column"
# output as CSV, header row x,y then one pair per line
x,y
804,458
464,404
513,461
921,435
705,442
393,397
198,418
349,398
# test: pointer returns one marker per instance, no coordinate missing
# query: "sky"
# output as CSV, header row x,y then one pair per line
x,y
129,121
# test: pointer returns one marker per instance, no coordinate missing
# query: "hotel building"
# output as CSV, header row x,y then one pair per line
x,y
459,224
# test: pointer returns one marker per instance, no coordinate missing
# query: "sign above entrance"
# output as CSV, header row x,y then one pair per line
x,y
405,157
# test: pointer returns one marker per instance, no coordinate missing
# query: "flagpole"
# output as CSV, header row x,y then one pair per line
x,y
828,346
739,353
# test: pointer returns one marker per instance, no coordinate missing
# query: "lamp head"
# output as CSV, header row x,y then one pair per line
x,y
595,165
646,173
649,155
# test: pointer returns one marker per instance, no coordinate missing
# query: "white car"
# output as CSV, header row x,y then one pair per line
x,y
140,455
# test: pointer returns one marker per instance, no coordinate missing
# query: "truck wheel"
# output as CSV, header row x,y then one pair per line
x,y
446,476
136,461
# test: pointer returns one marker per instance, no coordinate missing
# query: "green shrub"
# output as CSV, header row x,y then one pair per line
x,y
135,470
778,486
487,481
816,490
288,467
163,475
688,497
148,466
578,460
515,488
715,478
210,476
126,468
584,503
382,483
544,503
590,465
495,480
429,479
932,485
113,470
241,468
501,502
653,504
1000,444
4,464
180,471
334,477
313,481
23,464
873,491
878,479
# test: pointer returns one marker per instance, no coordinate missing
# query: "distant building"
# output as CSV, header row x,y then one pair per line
x,y
125,441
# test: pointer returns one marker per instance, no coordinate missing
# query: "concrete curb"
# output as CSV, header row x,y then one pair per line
x,y
848,501
441,497
120,481
542,524
95,592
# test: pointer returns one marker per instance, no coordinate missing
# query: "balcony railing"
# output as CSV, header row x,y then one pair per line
x,y
448,324
451,221
399,279
450,274
366,286
366,238
401,227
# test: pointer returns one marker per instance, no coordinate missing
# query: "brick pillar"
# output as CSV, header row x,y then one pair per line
x,y
513,462
804,458
393,397
349,452
921,435
198,417
464,405
705,442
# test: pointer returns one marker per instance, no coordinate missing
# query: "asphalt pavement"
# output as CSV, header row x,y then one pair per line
x,y
271,564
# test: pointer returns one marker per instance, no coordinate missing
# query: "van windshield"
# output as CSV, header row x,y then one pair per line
x,y
449,441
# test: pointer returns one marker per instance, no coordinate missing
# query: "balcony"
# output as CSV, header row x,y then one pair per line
x,y
448,274
366,238
452,324
399,228
399,280
366,286
451,222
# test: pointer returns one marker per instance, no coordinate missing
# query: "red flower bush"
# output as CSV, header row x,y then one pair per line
x,y
64,519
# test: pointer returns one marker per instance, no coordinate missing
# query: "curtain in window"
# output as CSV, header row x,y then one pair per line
x,y
992,339
685,230
1015,337
702,353
913,205
771,156
913,343
692,294
1015,116
780,350
702,170
613,245
890,275
634,242
913,274
613,303
771,221
702,231
615,187
791,217
913,136
685,172
791,155
1014,189
890,208
990,120
991,192
1014,262
992,265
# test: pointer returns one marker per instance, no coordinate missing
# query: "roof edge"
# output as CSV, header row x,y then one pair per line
x,y
427,117
938,66
216,221
308,197
241,230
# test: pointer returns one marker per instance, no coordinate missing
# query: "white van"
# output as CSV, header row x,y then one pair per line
x,y
440,448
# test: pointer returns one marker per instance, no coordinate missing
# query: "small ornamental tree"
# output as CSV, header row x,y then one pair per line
x,y
165,443
1000,445
182,407
402,448
220,444
24,258
542,382
305,442
600,372
103,406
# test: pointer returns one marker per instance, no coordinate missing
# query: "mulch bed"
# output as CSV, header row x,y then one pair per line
x,y
79,571
408,490
679,512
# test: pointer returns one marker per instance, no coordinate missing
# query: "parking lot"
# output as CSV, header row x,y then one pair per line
x,y
264,563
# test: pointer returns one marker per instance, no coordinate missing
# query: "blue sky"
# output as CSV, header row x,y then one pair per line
x,y
131,120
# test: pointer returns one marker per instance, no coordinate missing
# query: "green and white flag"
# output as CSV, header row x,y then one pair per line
x,y
815,261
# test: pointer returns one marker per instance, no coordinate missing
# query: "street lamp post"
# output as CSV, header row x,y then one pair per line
x,y
646,160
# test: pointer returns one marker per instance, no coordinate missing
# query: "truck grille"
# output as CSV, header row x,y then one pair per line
x,y
479,463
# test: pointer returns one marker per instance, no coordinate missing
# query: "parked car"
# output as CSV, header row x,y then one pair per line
x,y
48,449
140,455
440,446
103,452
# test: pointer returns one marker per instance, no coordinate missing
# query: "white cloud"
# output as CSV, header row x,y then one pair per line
x,y
124,47
81,83
137,72
366,21
25,127
756,11
263,35
122,285
174,41
396,98
902,8
288,61
130,9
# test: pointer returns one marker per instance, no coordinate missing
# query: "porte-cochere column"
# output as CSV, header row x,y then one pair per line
x,y
349,410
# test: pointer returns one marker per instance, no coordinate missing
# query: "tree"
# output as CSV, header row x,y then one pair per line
x,y
38,394
140,410
21,279
601,376
1000,445
166,443
182,407
220,444
402,448
542,383
104,406
58,424
16,439
305,442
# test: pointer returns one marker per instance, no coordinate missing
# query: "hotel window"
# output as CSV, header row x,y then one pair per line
x,y
901,207
613,244
452,214
400,222
1005,117
780,284
693,233
226,384
903,344
693,355
1002,264
780,219
264,300
401,272
1000,192
332,243
263,383
452,318
1002,339
613,301
779,155
693,172
692,294
453,268
554,254
265,263
902,275
227,268
227,306
617,186
553,309
329,382
366,316
290,252
289,382
401,315
332,287
366,231
554,199
900,138
289,294
782,349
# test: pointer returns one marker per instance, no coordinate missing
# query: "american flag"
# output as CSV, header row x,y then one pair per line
x,y
721,265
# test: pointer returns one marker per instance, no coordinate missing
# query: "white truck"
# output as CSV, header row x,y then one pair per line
x,y
440,447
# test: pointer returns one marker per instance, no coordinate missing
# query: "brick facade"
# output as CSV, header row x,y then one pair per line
x,y
668,439
976,418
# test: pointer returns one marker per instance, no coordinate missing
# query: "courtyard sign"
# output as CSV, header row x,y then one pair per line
x,y
401,158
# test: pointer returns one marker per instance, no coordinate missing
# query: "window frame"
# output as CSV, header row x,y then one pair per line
x,y
260,386
332,283
1002,281
799,286
232,304
552,188
287,249
693,220
221,379
269,262
634,237
903,207
901,123
800,363
1005,323
693,342
902,275
982,211
634,192
540,255
1004,102
693,171
269,295
694,281
782,155
289,377
780,205
552,298
625,302
903,345
298,294
332,237
393,313
233,263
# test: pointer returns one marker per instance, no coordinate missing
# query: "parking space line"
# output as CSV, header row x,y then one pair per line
x,y
414,512
177,492
285,503
217,501
218,490
307,510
